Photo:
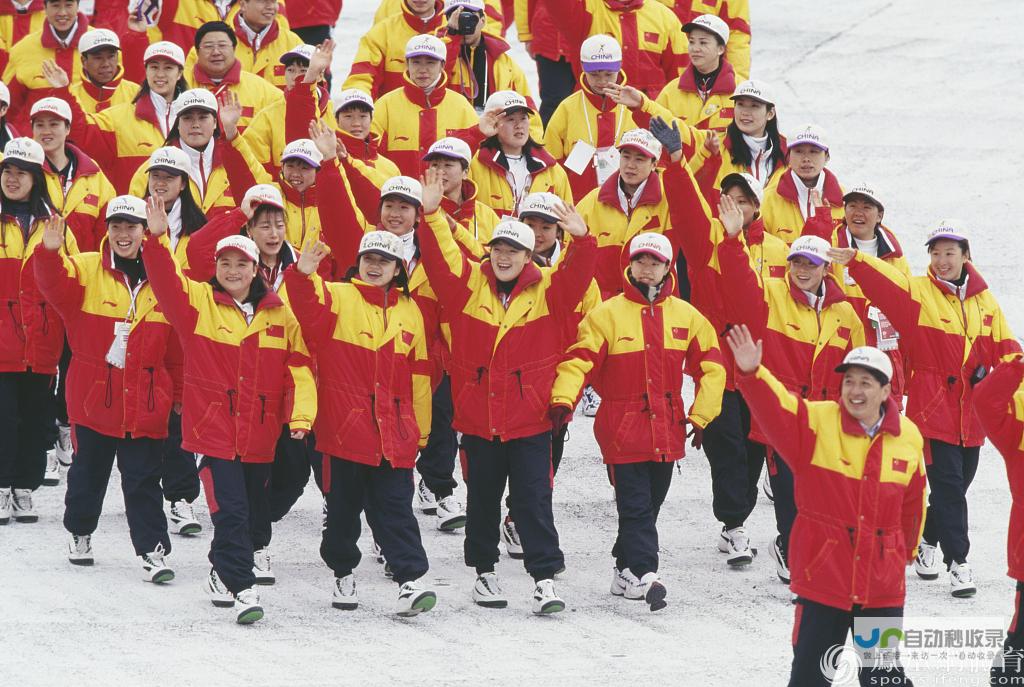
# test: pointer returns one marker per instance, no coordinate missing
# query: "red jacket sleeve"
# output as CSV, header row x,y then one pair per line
x,y
745,302
341,225
689,215
202,245
993,403
59,286
316,318
888,289
781,414
573,275
299,110
169,285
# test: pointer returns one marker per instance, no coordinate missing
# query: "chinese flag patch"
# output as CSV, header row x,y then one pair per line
x,y
987,321
681,333
275,330
726,112
651,36
91,199
899,465
653,223
843,332
406,338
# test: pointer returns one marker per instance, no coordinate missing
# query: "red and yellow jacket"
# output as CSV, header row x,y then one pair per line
x,y
409,121
735,13
93,296
634,352
711,169
803,345
999,401
82,200
503,355
31,333
242,381
651,37
492,14
490,174
477,218
15,25
614,228
217,197
267,138
683,100
373,372
860,500
254,94
889,250
503,72
782,215
324,12
92,98
539,23
698,235
264,62
947,336
379,64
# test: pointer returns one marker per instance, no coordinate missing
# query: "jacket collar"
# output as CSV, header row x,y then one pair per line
x,y
273,31
975,282
418,96
530,275
754,234
831,192
50,41
84,165
833,292
537,159
429,26
467,210
306,198
375,295
107,259
633,294
104,92
890,421
602,103
725,82
609,191
363,149
232,78
888,247
269,300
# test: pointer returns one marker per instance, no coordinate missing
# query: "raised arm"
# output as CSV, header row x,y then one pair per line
x,y
56,275
202,245
885,286
172,289
745,302
448,269
690,217
342,225
575,271
309,297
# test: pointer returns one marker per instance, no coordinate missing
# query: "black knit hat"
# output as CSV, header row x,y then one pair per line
x,y
215,27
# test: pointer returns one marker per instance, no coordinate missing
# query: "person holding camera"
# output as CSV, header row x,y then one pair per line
x,y
957,332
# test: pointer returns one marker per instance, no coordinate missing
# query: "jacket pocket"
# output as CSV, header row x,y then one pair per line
x,y
94,397
889,564
205,420
818,562
349,429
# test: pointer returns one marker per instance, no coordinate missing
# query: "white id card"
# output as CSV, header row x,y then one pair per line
x,y
888,337
606,163
579,157
848,278
119,346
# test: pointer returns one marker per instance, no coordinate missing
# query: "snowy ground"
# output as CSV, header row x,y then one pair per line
x,y
919,100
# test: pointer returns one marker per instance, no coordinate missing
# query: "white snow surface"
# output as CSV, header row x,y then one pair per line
x,y
919,99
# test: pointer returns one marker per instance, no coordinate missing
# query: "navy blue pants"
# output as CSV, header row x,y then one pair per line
x,y
237,495
179,476
949,477
293,459
556,82
818,628
781,478
1004,672
640,489
138,461
525,465
558,440
436,462
385,493
735,462
26,428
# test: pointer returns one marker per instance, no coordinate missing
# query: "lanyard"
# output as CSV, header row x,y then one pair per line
x,y
134,296
472,77
590,132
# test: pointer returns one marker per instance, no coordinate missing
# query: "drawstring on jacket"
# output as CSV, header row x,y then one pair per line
x,y
231,401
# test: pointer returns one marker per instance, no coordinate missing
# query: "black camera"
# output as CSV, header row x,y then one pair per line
x,y
467,23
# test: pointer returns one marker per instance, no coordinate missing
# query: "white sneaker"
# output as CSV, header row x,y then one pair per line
x,y
414,599
510,537
781,564
51,477
80,549
648,589
181,519
425,499
545,600
6,504
621,580
487,592
63,448
736,543
345,596
218,593
249,609
766,487
450,514
926,563
961,580
261,567
591,402
23,510
155,569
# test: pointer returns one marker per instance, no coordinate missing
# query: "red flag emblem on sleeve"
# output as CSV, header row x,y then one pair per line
x,y
899,465
681,333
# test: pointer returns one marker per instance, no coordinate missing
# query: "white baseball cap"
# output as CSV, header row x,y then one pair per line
x,y
755,90
303,149
811,134
427,46
303,51
474,5
169,159
710,23
650,243
865,190
194,99
742,178
507,102
98,38
127,207
382,243
243,244
814,248
641,140
54,106
5,94
515,232
871,359
165,50
403,187
601,53
452,147
24,152
350,96
951,229
264,194
542,204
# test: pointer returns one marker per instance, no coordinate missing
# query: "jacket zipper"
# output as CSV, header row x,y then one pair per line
x,y
263,407
231,401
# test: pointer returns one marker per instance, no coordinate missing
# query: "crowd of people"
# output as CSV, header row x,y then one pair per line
x,y
225,279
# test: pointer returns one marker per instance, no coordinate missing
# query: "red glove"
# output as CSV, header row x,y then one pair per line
x,y
697,433
559,416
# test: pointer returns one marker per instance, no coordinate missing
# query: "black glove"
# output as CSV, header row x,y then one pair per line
x,y
667,135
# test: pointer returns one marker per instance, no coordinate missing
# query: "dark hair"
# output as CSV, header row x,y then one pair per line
x,y
257,290
741,153
742,185
39,202
430,158
492,143
47,2
214,27
173,135
354,105
303,62
262,210
192,216
180,87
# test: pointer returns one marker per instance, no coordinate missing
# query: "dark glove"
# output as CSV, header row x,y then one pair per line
x,y
698,436
559,416
668,136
